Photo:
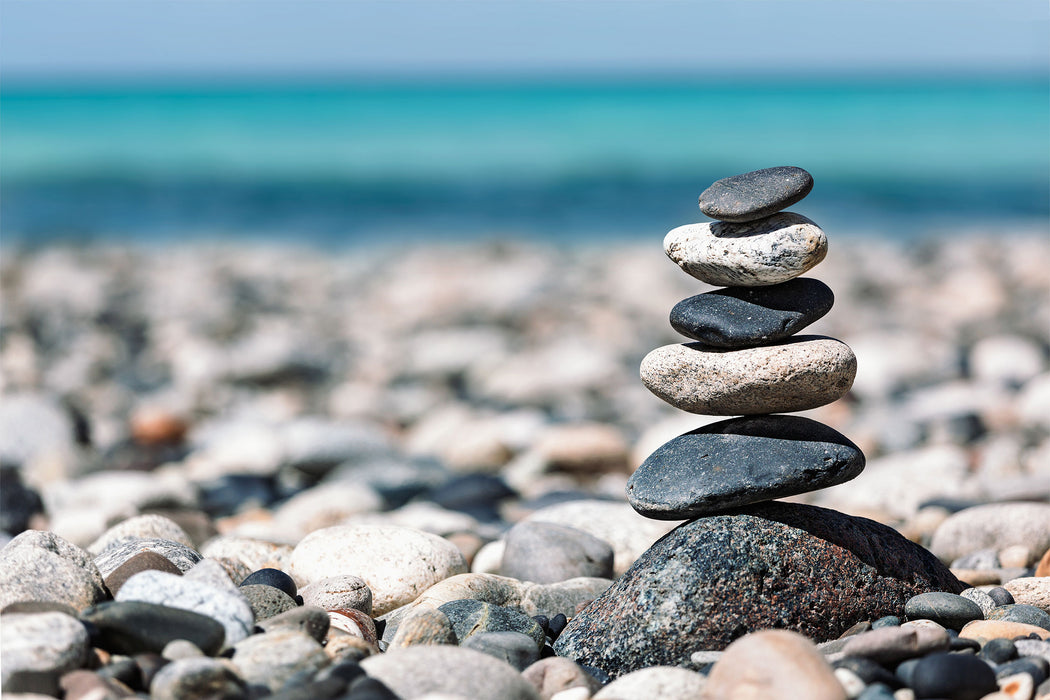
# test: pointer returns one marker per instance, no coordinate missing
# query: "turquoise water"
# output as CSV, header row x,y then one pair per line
x,y
335,163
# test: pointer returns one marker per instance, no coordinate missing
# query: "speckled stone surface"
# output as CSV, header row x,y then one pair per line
x,y
756,194
739,317
802,373
779,565
768,251
741,461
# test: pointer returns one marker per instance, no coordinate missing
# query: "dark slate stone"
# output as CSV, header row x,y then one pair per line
x,y
272,577
557,625
740,461
953,677
266,601
771,565
478,495
18,502
131,627
1018,612
366,688
756,194
998,650
1035,666
1001,596
517,649
741,317
886,621
947,609
469,617
963,644
550,553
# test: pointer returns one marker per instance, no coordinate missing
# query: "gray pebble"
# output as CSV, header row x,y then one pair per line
x,y
1027,614
554,674
1033,647
549,553
269,660
148,526
215,679
756,194
267,601
180,649
120,551
1001,596
422,625
38,648
41,566
417,670
946,609
469,617
987,558
131,627
308,619
983,600
517,649
339,593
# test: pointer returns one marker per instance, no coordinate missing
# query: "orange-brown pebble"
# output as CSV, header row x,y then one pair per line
x,y
1044,565
156,426
984,630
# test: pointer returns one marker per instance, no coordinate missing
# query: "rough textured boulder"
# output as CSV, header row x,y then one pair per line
x,y
770,565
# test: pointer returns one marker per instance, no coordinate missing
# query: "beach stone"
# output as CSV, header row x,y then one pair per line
x,y
583,448
756,194
1000,596
740,317
986,558
118,552
132,627
1033,648
889,645
655,683
181,649
253,554
307,618
414,671
629,533
146,527
866,670
354,622
1031,590
886,621
272,577
804,372
41,566
752,254
423,625
268,661
548,553
469,617
773,663
981,598
1035,667
38,648
339,593
1019,686
227,607
947,609
143,561
397,563
741,461
1016,556
556,674
994,525
516,648
998,650
267,601
215,679
984,630
952,676
325,505
1025,614
87,685
790,565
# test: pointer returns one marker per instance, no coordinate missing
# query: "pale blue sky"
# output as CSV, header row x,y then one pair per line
x,y
262,37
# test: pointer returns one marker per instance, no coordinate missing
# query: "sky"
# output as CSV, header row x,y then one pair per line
x,y
134,38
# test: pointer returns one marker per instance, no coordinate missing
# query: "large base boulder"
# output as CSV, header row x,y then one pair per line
x,y
771,565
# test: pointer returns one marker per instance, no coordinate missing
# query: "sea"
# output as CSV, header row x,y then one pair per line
x,y
345,162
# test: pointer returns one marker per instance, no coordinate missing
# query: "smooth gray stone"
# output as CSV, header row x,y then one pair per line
x,y
549,553
214,679
755,194
741,461
40,566
946,609
309,619
1018,612
185,558
1033,647
954,676
469,617
267,601
37,648
414,671
737,317
268,661
133,627
517,649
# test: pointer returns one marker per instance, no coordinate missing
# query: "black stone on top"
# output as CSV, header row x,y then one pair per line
x,y
739,317
755,195
738,462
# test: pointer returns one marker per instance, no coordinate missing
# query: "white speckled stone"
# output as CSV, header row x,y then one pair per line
x,y
42,566
655,683
42,644
417,670
752,254
803,373
397,563
228,607
269,660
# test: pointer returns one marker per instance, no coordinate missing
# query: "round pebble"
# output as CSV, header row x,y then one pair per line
x,y
655,683
272,577
38,648
805,372
768,251
952,676
773,663
946,609
215,679
416,670
339,593
517,649
548,553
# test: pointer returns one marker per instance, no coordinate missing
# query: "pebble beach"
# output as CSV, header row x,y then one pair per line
x,y
400,472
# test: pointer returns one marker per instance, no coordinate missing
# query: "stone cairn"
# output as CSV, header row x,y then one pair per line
x,y
748,361
742,561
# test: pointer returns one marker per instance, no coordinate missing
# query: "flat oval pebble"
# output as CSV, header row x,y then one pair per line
x,y
554,674
414,671
984,630
397,563
1025,614
469,617
889,645
769,251
802,373
737,317
215,679
517,649
995,526
953,677
548,553
339,593
740,461
133,627
756,194
655,683
947,609
143,561
771,664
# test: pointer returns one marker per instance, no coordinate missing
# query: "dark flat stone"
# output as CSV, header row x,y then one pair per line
x,y
469,617
1018,612
272,577
772,565
946,609
953,677
756,194
740,461
131,627
739,317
